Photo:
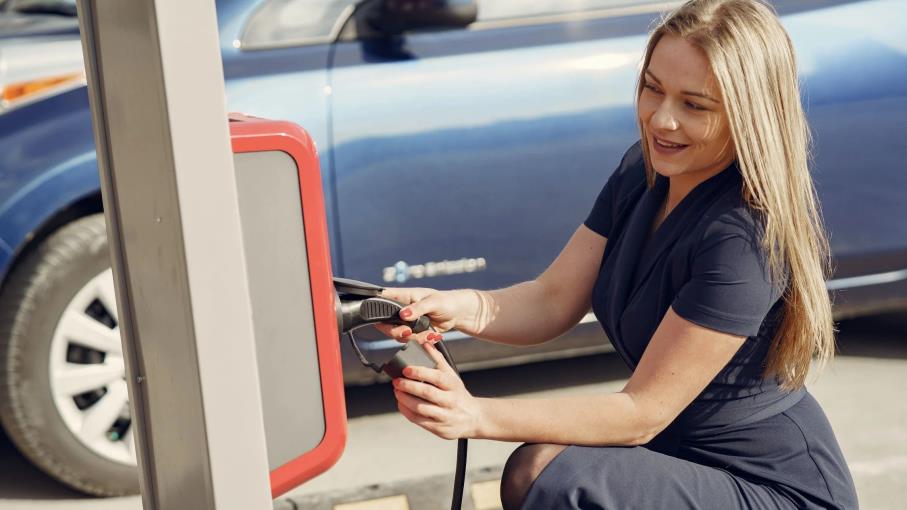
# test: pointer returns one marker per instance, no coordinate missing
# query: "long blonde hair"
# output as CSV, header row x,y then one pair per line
x,y
753,60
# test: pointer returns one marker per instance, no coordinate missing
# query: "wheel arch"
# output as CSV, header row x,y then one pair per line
x,y
87,203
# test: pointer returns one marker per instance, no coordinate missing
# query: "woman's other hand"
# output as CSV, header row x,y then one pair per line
x,y
443,308
436,399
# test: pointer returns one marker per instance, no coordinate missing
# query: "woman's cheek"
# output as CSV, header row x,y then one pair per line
x,y
647,105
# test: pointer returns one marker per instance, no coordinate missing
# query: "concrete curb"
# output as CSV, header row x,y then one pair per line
x,y
431,493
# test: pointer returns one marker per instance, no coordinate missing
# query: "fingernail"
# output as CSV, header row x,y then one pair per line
x,y
434,336
406,313
406,333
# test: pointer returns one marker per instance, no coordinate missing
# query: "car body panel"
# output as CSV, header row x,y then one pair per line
x,y
39,179
854,72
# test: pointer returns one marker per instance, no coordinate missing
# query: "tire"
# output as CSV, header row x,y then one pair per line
x,y
44,340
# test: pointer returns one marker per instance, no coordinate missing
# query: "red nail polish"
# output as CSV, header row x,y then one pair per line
x,y
406,333
405,313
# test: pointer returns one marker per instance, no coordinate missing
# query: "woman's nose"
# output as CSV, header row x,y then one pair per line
x,y
663,118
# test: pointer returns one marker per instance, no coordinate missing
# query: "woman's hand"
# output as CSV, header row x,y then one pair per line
x,y
445,310
437,400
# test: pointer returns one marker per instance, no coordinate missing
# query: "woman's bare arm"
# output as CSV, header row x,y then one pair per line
x,y
536,311
678,363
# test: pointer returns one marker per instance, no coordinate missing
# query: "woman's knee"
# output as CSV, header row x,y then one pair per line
x,y
523,466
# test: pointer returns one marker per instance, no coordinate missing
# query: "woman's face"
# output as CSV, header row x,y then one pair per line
x,y
681,111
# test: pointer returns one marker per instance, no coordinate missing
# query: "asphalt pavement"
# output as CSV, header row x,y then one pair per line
x,y
390,464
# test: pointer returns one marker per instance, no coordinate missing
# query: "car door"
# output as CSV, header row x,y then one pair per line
x,y
467,157
853,67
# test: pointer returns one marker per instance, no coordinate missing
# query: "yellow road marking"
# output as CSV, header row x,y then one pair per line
x,y
487,495
389,503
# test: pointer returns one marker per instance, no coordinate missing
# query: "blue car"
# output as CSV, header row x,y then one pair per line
x,y
456,151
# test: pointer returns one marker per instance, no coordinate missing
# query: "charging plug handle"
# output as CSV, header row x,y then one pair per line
x,y
372,310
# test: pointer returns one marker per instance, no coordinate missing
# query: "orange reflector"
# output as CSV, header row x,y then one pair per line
x,y
16,91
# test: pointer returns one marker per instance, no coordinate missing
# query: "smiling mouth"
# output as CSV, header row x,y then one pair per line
x,y
668,145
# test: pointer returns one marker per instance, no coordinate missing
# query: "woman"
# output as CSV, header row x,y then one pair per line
x,y
704,259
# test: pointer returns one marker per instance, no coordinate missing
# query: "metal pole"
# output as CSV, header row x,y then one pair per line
x,y
157,96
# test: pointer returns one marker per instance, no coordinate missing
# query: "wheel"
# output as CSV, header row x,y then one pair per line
x,y
63,397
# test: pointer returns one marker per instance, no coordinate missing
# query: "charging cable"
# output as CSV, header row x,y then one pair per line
x,y
396,365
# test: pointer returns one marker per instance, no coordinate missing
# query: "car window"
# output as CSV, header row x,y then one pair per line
x,y
294,22
509,9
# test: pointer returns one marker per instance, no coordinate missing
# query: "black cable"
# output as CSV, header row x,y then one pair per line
x,y
462,444
362,358
460,476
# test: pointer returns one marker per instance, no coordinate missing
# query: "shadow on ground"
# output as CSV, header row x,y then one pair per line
x,y
875,336
19,479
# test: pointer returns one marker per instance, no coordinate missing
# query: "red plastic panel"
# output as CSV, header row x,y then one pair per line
x,y
249,134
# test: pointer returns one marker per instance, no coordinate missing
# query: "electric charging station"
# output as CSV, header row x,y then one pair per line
x,y
221,266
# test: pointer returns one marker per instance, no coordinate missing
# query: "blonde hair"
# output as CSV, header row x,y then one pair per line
x,y
753,60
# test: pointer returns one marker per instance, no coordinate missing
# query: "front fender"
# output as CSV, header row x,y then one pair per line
x,y
43,198
47,164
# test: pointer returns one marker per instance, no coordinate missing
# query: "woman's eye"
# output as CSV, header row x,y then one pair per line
x,y
694,106
651,87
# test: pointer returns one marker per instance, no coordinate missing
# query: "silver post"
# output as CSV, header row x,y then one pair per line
x,y
157,97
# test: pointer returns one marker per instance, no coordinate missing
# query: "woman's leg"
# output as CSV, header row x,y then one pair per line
x,y
579,477
522,468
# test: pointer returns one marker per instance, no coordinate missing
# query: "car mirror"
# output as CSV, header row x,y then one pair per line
x,y
394,17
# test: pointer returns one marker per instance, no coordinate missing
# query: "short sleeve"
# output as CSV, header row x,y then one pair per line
x,y
601,218
730,287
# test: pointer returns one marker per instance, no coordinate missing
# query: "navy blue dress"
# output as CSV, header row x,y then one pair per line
x,y
743,442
